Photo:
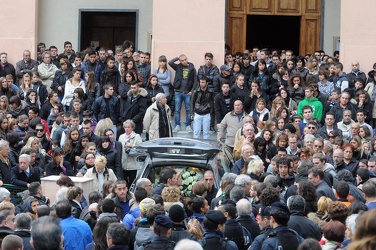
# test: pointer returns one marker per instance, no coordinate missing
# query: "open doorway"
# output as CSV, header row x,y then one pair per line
x,y
107,29
273,32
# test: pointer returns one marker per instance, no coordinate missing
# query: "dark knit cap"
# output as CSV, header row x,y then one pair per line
x,y
176,213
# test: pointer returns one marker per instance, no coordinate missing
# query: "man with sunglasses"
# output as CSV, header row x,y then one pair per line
x,y
312,128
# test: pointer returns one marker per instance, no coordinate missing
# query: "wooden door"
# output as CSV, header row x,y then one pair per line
x,y
308,10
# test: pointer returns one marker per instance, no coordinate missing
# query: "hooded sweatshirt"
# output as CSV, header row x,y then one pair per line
x,y
316,107
143,235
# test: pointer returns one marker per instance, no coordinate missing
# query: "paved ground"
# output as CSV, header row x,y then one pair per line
x,y
182,132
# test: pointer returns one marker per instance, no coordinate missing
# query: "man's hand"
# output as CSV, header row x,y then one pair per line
x,y
189,93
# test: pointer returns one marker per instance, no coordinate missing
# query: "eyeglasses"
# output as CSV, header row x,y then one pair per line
x,y
39,130
311,127
90,158
249,130
332,136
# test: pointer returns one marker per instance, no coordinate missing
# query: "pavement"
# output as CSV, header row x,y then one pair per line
x,y
183,133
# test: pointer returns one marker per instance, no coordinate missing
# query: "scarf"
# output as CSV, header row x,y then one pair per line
x,y
163,123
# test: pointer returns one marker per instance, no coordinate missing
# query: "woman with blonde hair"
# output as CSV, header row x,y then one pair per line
x,y
100,173
4,104
41,154
102,125
171,196
129,140
321,217
12,124
255,169
312,66
25,86
358,152
194,227
277,103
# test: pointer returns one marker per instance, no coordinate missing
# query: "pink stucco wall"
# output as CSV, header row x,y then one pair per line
x,y
358,34
18,28
188,27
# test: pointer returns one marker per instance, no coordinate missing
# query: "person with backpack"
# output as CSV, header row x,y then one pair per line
x,y
213,236
264,224
234,230
162,228
281,237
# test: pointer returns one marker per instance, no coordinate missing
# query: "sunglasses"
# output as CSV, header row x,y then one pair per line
x,y
332,137
311,127
39,130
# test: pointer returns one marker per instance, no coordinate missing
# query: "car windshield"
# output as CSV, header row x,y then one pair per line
x,y
181,153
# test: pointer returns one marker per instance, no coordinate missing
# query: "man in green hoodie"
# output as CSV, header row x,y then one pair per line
x,y
311,101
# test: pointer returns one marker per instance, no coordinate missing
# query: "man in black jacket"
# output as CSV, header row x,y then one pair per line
x,y
24,174
179,231
300,223
244,210
225,75
5,67
201,107
210,71
224,102
184,84
23,226
135,107
107,106
233,230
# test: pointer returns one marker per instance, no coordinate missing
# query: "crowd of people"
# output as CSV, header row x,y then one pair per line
x,y
299,130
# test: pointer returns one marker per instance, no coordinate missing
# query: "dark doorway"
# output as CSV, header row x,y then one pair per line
x,y
273,32
108,28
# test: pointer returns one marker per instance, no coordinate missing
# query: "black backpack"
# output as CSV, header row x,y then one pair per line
x,y
287,238
247,237
214,243
157,245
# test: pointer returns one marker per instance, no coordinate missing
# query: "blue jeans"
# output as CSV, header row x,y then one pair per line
x,y
201,121
179,98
